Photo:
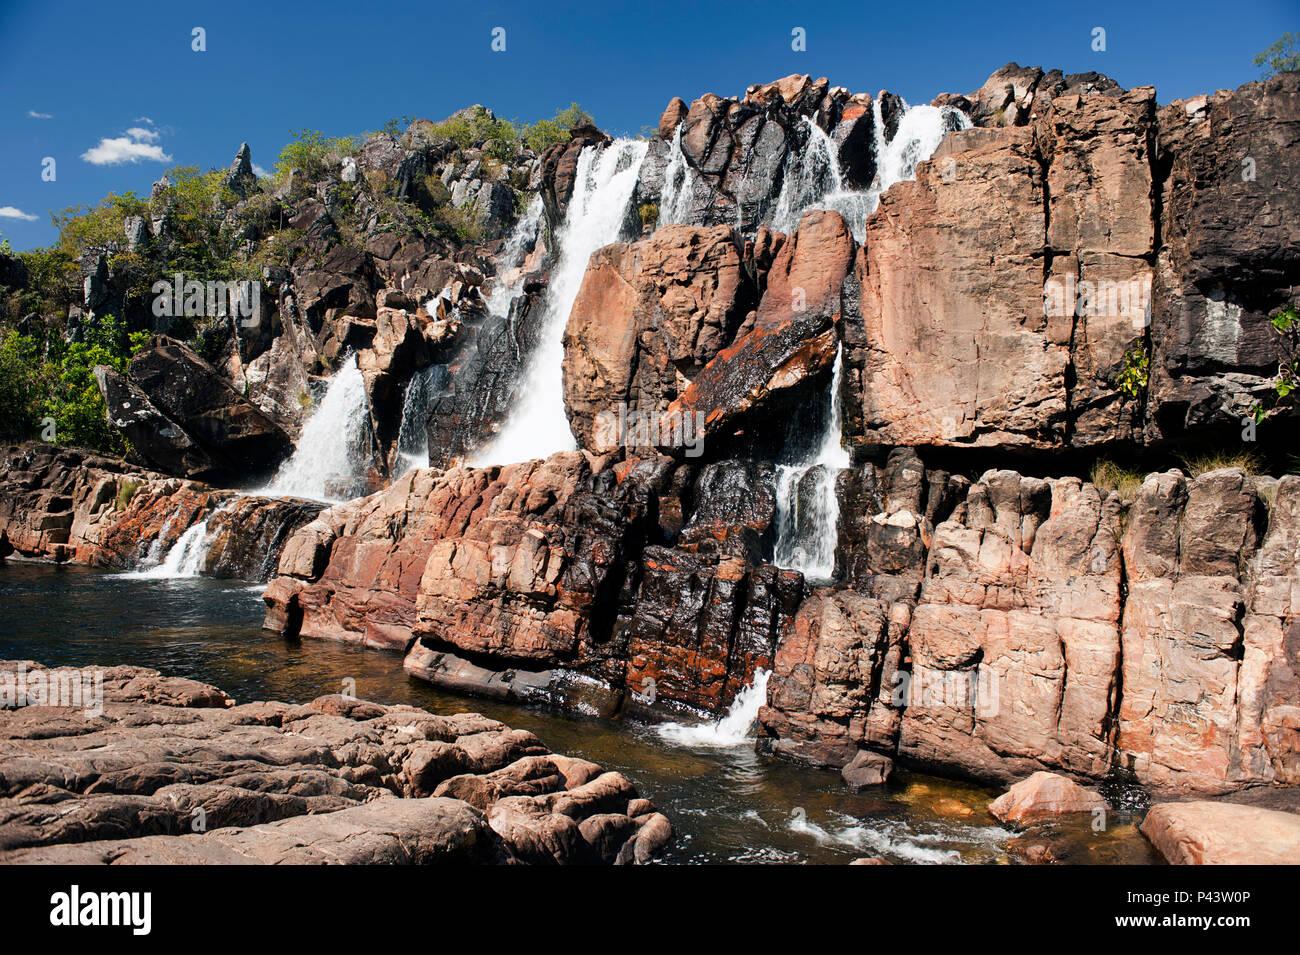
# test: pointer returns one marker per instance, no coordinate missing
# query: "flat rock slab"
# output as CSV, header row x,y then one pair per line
x,y
1217,833
159,770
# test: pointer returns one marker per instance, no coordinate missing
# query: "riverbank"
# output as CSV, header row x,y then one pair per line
x,y
727,804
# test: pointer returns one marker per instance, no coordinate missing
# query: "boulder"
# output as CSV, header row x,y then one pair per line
x,y
236,437
161,775
1217,833
867,769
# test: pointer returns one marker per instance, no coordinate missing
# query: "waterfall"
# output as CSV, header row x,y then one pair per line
x,y
813,178
185,558
329,462
807,511
511,259
733,729
678,193
598,209
413,433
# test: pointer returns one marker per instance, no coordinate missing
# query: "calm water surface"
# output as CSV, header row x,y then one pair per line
x,y
727,805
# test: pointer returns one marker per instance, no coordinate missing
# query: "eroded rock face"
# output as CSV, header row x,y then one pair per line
x,y
793,338
1056,630
945,350
551,581
65,505
648,317
507,562
336,780
1114,225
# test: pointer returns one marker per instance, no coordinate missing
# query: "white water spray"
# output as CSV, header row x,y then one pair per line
x,y
814,180
678,193
510,276
807,511
603,185
733,729
329,462
185,558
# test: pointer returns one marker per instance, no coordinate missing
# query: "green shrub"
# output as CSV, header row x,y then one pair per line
x,y
1133,376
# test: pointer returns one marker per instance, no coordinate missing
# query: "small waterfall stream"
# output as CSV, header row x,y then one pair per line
x,y
807,511
413,433
678,193
734,729
597,212
510,275
330,460
813,178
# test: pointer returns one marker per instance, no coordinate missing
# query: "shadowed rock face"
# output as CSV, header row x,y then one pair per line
x,y
173,772
194,423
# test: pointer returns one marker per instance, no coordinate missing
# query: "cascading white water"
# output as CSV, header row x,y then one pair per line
x,y
733,729
413,434
678,193
510,280
184,559
330,459
807,511
813,178
537,425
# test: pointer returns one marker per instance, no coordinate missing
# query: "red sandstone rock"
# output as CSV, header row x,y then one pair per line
x,y
1217,833
1042,796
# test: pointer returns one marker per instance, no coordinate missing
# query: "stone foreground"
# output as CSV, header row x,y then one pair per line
x,y
174,772
1214,833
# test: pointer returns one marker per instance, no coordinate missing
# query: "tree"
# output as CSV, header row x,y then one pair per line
x,y
1282,56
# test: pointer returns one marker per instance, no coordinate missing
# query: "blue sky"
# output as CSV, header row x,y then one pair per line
x,y
119,80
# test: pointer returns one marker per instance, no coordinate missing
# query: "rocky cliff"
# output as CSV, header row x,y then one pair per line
x,y
968,303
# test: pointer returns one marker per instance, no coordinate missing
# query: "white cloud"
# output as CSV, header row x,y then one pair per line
x,y
9,212
32,114
143,119
138,144
259,171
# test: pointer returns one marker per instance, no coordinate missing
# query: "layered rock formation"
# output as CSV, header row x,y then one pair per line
x,y
174,772
545,581
1058,628
65,505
